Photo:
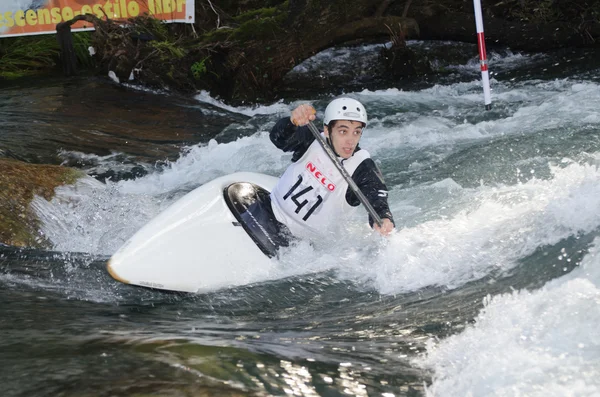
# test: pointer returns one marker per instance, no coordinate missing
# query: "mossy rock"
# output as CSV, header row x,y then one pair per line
x,y
257,14
257,29
20,182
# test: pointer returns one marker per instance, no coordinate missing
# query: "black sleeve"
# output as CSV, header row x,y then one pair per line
x,y
369,180
289,138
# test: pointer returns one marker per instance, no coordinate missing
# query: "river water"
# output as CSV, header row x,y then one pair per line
x,y
489,286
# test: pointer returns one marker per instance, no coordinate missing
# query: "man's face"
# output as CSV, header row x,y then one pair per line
x,y
344,136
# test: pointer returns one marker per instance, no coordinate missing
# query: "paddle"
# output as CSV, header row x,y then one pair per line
x,y
344,173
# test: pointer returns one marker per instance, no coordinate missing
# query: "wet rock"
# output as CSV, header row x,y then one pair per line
x,y
20,182
400,61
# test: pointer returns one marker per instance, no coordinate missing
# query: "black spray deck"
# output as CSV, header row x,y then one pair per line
x,y
251,206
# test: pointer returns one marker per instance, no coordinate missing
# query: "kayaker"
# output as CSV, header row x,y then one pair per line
x,y
312,195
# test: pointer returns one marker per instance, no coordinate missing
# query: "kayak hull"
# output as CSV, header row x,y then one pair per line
x,y
195,245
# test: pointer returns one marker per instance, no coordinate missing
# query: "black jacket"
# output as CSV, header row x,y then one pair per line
x,y
289,138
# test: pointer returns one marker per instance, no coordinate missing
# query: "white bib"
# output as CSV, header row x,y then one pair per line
x,y
311,194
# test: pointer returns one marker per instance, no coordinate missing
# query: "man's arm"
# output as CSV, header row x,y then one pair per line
x,y
289,138
291,134
370,182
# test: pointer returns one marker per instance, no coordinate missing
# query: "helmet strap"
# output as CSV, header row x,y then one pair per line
x,y
329,140
331,146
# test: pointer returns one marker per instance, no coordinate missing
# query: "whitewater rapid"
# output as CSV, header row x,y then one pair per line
x,y
473,193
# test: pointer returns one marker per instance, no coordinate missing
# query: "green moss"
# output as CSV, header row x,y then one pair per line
x,y
168,50
145,24
256,29
33,55
257,14
198,69
171,72
81,44
27,55
71,175
217,35
253,25
19,183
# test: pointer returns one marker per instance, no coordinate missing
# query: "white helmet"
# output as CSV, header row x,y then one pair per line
x,y
345,109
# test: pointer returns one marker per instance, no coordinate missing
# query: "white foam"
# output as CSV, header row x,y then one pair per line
x,y
98,218
278,107
452,235
338,60
541,343
475,232
202,163
553,105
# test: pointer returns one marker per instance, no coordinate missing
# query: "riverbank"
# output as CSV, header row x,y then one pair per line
x,y
20,182
243,51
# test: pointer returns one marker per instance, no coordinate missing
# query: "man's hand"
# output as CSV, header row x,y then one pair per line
x,y
303,114
386,227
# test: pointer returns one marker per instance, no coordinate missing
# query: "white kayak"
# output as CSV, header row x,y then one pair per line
x,y
198,244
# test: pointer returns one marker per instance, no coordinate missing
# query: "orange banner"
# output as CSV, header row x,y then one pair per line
x,y
28,17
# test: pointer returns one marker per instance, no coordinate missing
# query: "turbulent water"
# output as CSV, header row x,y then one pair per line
x,y
489,286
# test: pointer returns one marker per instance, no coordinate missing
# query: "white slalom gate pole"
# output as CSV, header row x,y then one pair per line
x,y
485,76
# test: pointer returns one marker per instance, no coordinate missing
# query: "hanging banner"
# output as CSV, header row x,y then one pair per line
x,y
29,17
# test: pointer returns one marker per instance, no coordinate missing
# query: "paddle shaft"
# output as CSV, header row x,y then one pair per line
x,y
344,173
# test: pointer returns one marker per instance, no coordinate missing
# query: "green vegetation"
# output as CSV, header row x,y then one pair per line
x,y
261,28
539,11
151,26
199,68
251,25
31,55
217,36
244,48
261,23
82,41
168,50
19,183
27,55
257,14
